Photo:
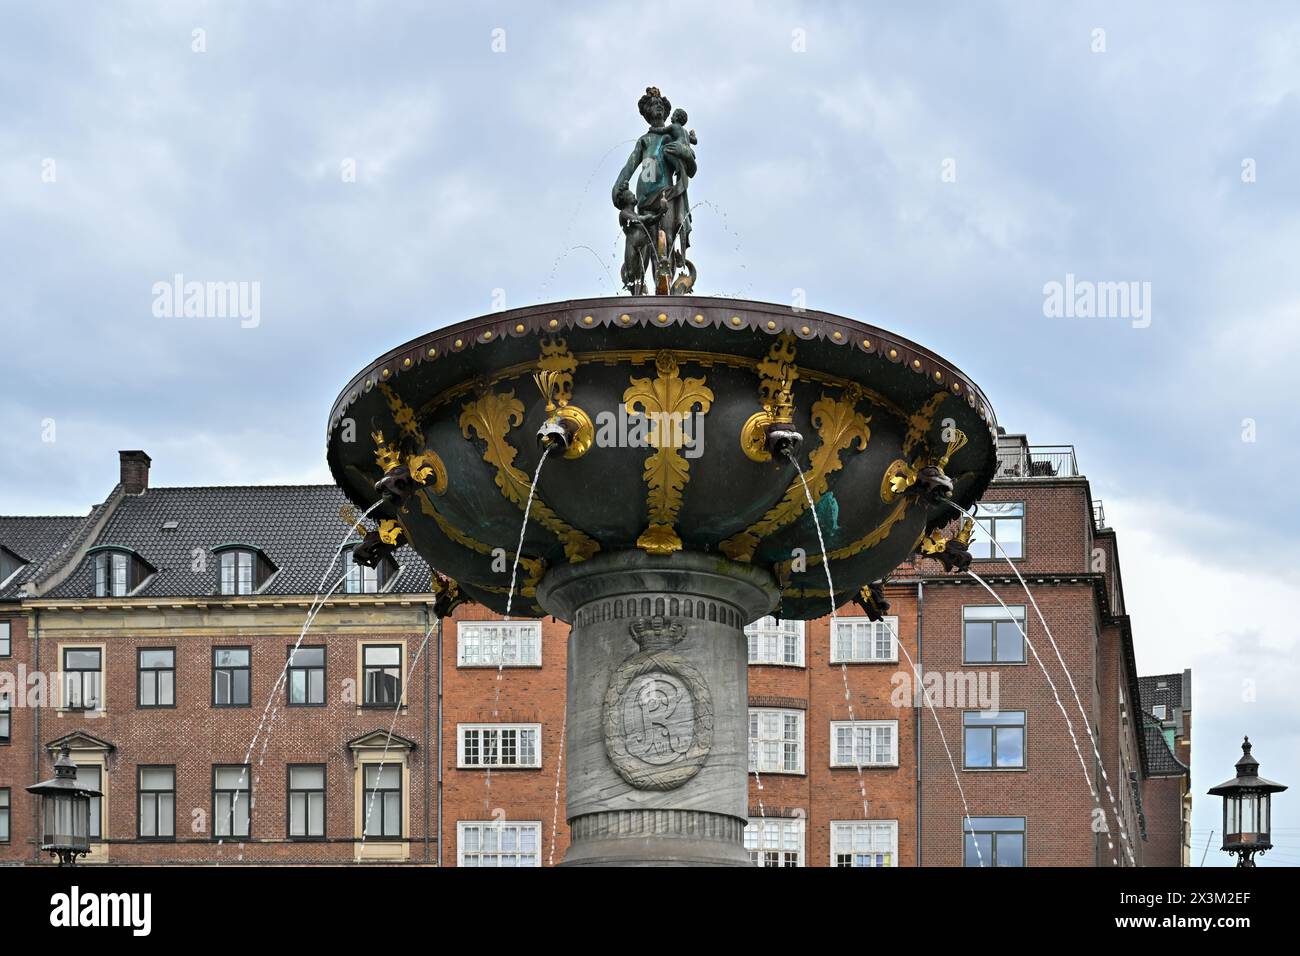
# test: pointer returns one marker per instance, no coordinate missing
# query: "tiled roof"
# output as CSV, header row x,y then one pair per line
x,y
297,527
37,541
1152,694
1160,760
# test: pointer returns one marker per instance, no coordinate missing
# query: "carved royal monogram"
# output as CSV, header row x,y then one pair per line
x,y
658,713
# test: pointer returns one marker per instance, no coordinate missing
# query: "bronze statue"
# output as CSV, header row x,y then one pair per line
x,y
655,215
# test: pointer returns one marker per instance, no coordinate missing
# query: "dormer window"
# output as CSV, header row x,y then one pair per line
x,y
364,580
9,563
118,572
242,570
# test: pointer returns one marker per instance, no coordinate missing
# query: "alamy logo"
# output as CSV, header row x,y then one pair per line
x,y
74,909
208,300
1085,299
629,429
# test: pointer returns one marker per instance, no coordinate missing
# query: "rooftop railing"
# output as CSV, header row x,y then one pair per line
x,y
1037,461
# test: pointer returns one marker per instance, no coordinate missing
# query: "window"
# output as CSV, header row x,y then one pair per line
x,y
6,718
994,739
775,842
382,674
499,643
498,844
864,743
157,814
82,678
307,677
6,640
991,636
9,564
1000,841
1159,711
775,642
1002,522
307,801
243,571
499,745
776,741
382,803
864,843
91,776
231,676
157,677
230,796
363,580
861,640
4,814
118,573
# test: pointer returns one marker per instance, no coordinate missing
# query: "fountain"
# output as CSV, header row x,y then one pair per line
x,y
671,511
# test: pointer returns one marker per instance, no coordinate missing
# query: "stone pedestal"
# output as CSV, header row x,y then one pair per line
x,y
658,737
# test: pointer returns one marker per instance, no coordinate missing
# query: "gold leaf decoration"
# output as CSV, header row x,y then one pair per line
x,y
667,400
839,424
491,416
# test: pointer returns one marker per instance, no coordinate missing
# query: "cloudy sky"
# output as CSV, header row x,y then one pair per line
x,y
926,167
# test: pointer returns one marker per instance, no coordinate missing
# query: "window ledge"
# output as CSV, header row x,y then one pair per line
x,y
995,769
481,667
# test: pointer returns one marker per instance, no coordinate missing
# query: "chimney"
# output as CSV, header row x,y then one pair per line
x,y
135,472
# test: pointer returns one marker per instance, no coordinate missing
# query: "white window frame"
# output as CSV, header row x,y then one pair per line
x,y
872,725
759,830
767,630
499,825
888,627
872,826
1160,712
755,743
470,632
536,730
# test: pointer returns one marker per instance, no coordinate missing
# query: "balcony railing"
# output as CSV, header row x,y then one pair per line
x,y
1098,515
1037,461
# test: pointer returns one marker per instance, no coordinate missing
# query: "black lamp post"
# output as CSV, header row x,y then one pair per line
x,y
1246,809
65,811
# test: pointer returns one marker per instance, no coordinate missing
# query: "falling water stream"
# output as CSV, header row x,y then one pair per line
x,y
501,657
826,566
1087,726
268,723
844,668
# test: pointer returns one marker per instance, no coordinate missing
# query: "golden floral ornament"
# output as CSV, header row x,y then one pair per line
x,y
666,400
777,375
491,417
839,426
554,378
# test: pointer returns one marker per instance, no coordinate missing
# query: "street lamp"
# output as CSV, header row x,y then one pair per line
x,y
65,811
1246,810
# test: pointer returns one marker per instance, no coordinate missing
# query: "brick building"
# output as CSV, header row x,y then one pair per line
x,y
152,636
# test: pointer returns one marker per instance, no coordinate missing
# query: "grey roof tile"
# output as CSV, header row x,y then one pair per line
x,y
37,541
297,527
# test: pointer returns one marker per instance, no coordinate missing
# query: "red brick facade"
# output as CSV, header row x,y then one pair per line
x,y
1072,567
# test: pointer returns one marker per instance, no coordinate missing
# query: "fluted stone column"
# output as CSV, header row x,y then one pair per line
x,y
658,738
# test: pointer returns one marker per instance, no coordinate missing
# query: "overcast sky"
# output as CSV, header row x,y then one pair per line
x,y
927,168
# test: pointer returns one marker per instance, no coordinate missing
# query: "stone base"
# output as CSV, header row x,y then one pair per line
x,y
657,749
656,838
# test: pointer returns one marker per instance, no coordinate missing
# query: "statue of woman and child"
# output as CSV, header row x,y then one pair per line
x,y
653,209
